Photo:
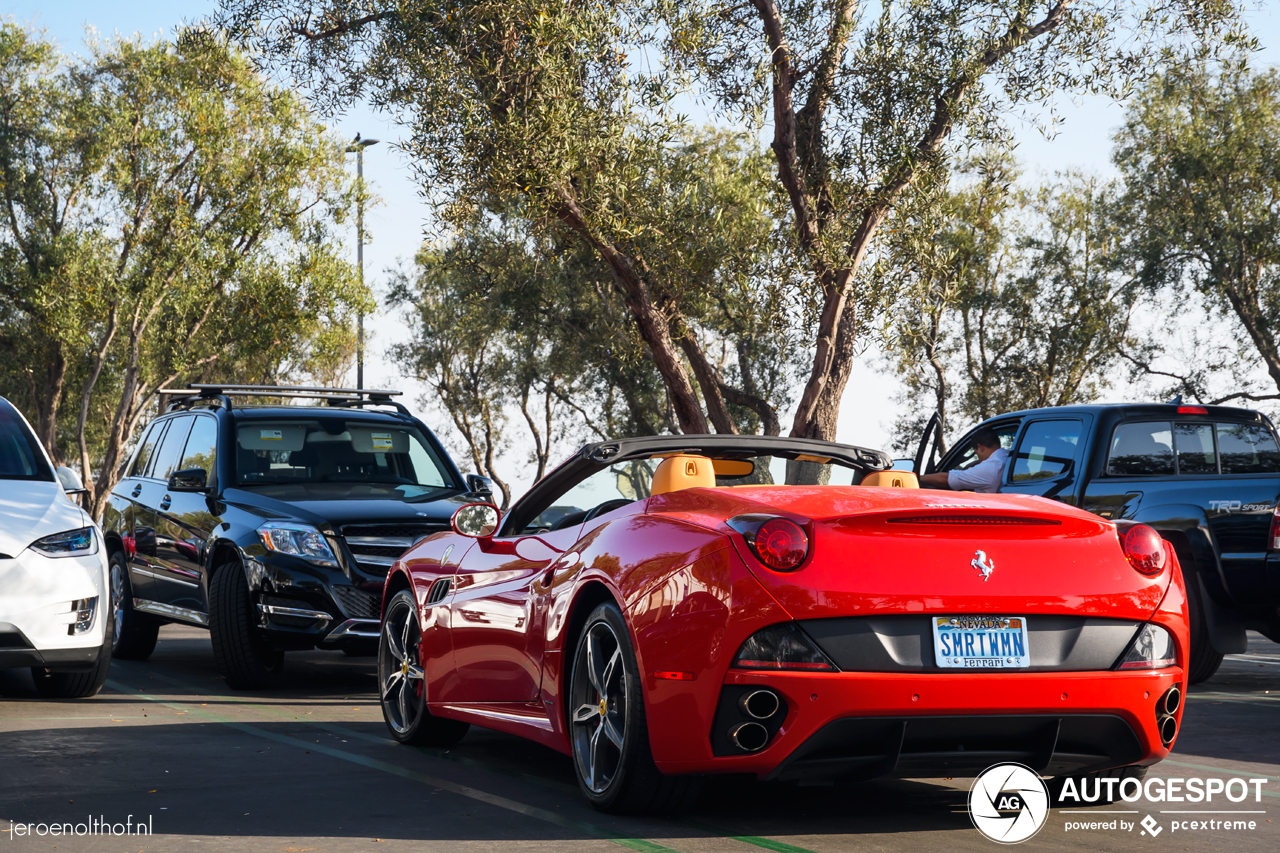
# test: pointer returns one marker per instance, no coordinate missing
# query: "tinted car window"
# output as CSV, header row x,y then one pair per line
x,y
1194,443
1141,450
20,456
147,450
1247,449
969,457
355,458
1046,450
201,447
171,445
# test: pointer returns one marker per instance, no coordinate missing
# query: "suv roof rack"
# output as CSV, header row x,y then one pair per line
x,y
220,395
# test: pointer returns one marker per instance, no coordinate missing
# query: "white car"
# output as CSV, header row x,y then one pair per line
x,y
54,589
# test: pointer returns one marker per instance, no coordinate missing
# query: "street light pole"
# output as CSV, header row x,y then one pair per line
x,y
358,145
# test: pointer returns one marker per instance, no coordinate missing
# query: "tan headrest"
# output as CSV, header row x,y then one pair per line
x,y
892,479
683,472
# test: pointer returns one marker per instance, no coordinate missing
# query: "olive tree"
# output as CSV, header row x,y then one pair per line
x,y
1198,154
167,215
866,102
534,105
1015,298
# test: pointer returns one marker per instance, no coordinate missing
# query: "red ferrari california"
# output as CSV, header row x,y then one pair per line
x,y
666,608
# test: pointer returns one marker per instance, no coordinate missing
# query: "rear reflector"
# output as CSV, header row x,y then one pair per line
x,y
668,675
973,519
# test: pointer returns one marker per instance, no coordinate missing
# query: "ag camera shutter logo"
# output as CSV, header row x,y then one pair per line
x,y
1008,803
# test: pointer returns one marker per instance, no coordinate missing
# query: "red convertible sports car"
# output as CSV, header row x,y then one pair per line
x,y
666,608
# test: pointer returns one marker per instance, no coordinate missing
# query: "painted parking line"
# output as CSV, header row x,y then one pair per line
x,y
446,755
1241,698
1259,661
585,828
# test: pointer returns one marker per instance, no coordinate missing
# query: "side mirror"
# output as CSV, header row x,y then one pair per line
x,y
70,481
478,485
903,465
189,480
476,521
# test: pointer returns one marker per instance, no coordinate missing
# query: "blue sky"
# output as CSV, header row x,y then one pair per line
x,y
1083,141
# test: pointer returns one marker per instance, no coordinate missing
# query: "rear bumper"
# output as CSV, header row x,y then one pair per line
x,y
847,726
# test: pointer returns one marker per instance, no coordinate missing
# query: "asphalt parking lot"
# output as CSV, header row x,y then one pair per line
x,y
309,767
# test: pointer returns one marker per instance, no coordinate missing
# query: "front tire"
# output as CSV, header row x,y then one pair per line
x,y
402,683
245,657
77,685
134,634
609,732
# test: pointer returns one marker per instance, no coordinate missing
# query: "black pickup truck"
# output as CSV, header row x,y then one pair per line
x,y
1206,477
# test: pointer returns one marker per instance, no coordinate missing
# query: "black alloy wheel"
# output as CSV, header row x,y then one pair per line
x,y
402,683
599,702
608,733
134,634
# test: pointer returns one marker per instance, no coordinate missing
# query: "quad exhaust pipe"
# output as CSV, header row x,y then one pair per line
x,y
1166,707
761,704
749,737
764,709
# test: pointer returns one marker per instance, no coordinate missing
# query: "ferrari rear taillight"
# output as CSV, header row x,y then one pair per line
x,y
779,543
1143,548
781,647
1152,648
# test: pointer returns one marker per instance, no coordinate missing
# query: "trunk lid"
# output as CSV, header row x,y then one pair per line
x,y
924,551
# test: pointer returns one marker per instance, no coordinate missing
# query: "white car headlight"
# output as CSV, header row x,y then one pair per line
x,y
73,543
298,540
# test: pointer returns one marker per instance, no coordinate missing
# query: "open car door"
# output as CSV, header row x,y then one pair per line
x,y
930,446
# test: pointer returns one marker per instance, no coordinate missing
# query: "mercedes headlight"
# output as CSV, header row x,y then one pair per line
x,y
297,540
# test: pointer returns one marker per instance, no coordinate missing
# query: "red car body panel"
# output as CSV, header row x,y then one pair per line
x,y
495,648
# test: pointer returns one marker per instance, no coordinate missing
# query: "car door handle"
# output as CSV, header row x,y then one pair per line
x,y
165,501
137,490
549,576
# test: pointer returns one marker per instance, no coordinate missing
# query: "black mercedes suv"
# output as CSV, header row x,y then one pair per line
x,y
273,525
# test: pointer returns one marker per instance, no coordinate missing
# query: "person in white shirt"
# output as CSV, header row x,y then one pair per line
x,y
983,477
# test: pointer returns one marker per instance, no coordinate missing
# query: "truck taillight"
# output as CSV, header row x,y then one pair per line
x,y
1275,529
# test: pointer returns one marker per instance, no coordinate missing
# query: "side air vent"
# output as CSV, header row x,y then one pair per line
x,y
1007,520
439,591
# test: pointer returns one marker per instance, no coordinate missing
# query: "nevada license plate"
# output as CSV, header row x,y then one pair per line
x,y
980,642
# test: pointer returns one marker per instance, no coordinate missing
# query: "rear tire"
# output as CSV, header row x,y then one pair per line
x,y
608,731
134,633
76,685
245,657
1204,658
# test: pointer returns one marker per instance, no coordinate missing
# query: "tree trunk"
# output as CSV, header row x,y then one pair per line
x,y
654,327
709,381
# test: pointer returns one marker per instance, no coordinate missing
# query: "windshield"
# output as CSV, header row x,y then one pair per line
x,y
20,456
628,481
333,458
